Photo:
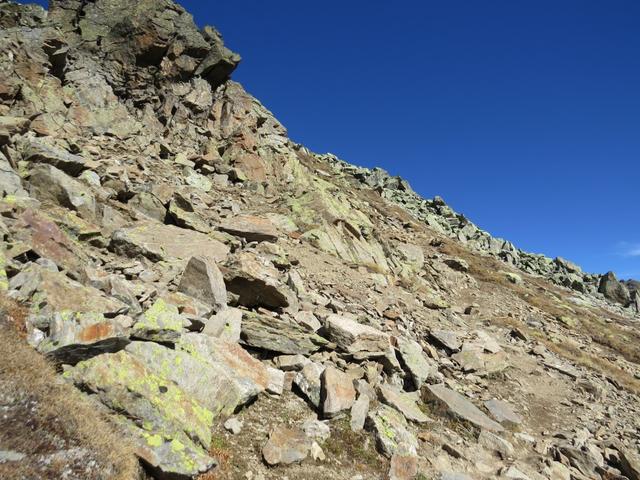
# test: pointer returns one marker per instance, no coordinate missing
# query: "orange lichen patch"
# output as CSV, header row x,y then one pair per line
x,y
96,332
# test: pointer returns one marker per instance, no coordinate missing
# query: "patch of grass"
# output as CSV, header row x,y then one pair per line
x,y
356,448
43,416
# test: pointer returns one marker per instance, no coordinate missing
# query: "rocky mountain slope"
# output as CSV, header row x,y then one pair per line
x,y
230,305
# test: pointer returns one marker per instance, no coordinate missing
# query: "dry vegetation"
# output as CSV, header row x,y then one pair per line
x,y
53,424
614,335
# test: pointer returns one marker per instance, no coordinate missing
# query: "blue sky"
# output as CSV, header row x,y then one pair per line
x,y
524,116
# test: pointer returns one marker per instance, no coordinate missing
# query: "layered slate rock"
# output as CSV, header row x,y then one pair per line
x,y
203,280
159,242
278,335
173,428
337,393
456,405
251,228
390,429
39,151
47,183
403,402
353,337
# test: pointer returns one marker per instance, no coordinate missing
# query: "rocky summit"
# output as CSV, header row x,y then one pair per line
x,y
188,293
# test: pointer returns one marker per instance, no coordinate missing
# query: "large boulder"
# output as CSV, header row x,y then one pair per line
x,y
614,290
170,427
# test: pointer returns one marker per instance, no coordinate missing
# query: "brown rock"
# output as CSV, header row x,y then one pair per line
x,y
338,393
286,446
203,280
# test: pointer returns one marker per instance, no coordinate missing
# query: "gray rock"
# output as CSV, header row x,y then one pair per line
x,y
278,335
10,181
402,402
359,411
503,413
446,339
495,443
316,430
614,290
233,425
309,383
354,337
630,464
309,320
10,126
289,363
276,382
47,183
456,405
415,362
252,228
39,151
256,282
457,264
159,242
203,280
148,204
226,324
338,393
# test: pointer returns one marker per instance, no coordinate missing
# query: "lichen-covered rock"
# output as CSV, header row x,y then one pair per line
x,y
161,322
403,402
308,381
166,417
390,429
75,336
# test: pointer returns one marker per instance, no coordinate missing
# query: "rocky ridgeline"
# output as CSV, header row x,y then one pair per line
x,y
241,309
442,218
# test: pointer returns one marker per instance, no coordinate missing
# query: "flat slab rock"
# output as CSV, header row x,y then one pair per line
x,y
354,337
503,412
286,446
403,402
160,242
458,406
251,227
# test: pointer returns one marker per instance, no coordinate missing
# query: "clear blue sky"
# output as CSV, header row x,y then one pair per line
x,y
523,115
